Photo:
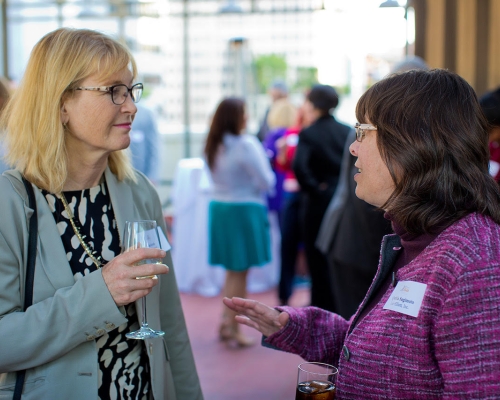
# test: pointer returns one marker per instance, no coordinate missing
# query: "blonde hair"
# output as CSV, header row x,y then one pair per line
x,y
282,114
35,135
5,92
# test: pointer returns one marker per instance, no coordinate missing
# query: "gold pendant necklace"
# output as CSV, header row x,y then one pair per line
x,y
90,252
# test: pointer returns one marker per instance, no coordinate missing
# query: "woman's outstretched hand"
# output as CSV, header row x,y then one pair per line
x,y
257,315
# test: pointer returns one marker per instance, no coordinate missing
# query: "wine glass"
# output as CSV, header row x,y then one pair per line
x,y
139,234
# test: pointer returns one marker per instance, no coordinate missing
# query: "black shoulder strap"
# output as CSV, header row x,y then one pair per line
x,y
32,238
30,274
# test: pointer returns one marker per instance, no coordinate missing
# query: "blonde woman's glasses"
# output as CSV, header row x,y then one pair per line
x,y
119,93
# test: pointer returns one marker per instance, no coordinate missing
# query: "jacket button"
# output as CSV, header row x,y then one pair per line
x,y
100,332
90,337
110,326
346,353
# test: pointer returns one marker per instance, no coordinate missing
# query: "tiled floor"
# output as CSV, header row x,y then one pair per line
x,y
255,373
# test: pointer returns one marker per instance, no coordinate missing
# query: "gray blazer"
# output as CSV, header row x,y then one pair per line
x,y
55,338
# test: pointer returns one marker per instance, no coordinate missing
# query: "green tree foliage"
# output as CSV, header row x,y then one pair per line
x,y
306,78
269,67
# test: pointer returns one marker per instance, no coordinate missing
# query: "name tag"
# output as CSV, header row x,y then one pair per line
x,y
406,298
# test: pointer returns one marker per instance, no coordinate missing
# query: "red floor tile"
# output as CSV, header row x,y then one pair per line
x,y
253,373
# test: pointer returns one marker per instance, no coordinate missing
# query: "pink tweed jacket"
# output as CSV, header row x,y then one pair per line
x,y
451,350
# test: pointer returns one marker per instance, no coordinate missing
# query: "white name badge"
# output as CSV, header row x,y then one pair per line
x,y
406,298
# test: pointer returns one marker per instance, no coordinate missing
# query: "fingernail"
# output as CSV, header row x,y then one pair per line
x,y
163,253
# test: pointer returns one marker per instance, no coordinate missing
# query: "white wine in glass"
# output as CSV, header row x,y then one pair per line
x,y
140,234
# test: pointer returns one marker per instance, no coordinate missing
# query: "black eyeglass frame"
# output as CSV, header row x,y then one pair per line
x,y
110,90
361,128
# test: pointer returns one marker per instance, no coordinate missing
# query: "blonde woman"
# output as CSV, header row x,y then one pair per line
x,y
68,126
282,115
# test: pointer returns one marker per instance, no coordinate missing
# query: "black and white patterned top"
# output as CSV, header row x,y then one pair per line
x,y
123,363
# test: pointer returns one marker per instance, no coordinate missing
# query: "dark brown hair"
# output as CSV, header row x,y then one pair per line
x,y
229,118
323,98
433,137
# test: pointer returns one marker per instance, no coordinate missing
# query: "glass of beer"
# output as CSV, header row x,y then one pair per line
x,y
316,381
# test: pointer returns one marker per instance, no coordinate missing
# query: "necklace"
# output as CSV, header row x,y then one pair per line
x,y
90,252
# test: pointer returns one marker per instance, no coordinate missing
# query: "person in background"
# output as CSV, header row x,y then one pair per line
x,y
408,63
282,115
238,234
5,93
145,143
349,237
278,90
317,166
490,104
351,230
291,228
67,129
429,326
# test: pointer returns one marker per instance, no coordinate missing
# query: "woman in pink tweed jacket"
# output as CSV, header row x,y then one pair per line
x,y
429,326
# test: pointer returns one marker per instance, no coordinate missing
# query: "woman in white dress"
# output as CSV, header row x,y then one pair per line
x,y
238,225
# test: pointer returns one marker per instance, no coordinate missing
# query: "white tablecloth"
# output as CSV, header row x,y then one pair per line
x,y
190,197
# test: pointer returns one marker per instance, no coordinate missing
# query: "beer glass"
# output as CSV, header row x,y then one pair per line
x,y
316,381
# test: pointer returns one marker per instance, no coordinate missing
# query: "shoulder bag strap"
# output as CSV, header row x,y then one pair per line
x,y
30,274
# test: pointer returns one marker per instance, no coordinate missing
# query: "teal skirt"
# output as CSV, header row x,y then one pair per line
x,y
238,235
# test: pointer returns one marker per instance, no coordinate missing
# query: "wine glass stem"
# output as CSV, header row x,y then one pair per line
x,y
144,320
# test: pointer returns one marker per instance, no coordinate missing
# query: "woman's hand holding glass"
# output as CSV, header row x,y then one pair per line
x,y
121,272
141,235
257,315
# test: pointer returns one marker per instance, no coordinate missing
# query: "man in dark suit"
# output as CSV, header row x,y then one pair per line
x,y
317,166
350,237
